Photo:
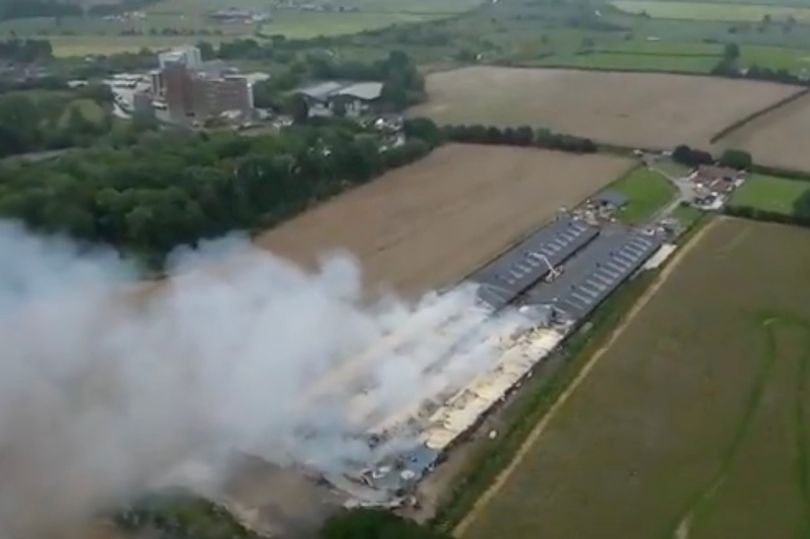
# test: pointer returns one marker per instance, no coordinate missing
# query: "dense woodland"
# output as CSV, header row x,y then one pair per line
x,y
402,83
58,119
25,50
375,524
18,9
177,188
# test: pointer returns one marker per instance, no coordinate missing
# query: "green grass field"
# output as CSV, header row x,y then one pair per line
x,y
712,12
631,62
794,60
694,423
770,193
297,25
647,191
79,36
687,57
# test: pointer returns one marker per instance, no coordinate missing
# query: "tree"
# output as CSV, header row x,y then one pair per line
x,y
394,94
206,50
731,52
688,156
19,115
375,524
424,129
738,159
297,107
524,135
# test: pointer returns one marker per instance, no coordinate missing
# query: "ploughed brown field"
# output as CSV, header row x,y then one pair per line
x,y
650,110
778,138
429,224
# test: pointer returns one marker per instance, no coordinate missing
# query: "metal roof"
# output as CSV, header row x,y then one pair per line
x,y
515,271
614,198
362,90
321,90
324,90
591,277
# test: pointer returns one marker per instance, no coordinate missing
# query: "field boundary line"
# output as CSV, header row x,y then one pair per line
x,y
742,122
566,394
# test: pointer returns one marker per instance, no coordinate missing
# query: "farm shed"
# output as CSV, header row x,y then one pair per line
x,y
610,199
354,97
519,268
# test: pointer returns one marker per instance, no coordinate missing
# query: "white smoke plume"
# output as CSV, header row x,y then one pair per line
x,y
107,385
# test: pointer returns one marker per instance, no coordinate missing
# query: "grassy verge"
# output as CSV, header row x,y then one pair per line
x,y
646,190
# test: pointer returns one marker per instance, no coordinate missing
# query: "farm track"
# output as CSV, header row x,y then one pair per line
x,y
538,430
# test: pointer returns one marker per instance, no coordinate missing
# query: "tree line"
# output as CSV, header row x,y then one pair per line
x,y
729,66
375,524
179,187
178,514
25,50
732,158
426,129
19,9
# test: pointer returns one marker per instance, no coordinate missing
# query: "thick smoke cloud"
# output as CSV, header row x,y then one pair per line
x,y
107,386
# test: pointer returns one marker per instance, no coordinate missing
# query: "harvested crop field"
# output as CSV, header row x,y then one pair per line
x,y
778,138
431,223
694,422
632,109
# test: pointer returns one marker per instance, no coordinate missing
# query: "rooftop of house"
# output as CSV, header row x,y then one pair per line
x,y
710,173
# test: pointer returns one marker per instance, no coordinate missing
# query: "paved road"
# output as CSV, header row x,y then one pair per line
x,y
686,192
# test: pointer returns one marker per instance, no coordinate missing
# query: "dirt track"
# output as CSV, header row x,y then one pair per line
x,y
633,109
429,224
540,428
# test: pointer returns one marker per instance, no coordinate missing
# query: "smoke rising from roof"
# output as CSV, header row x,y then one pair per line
x,y
107,387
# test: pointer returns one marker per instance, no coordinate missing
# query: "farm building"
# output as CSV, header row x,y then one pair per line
x,y
717,179
325,98
518,269
610,199
599,270
559,275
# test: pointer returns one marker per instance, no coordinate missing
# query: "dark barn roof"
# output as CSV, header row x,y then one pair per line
x,y
512,273
597,272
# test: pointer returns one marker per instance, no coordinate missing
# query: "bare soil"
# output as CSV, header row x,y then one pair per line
x,y
649,110
428,225
778,138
